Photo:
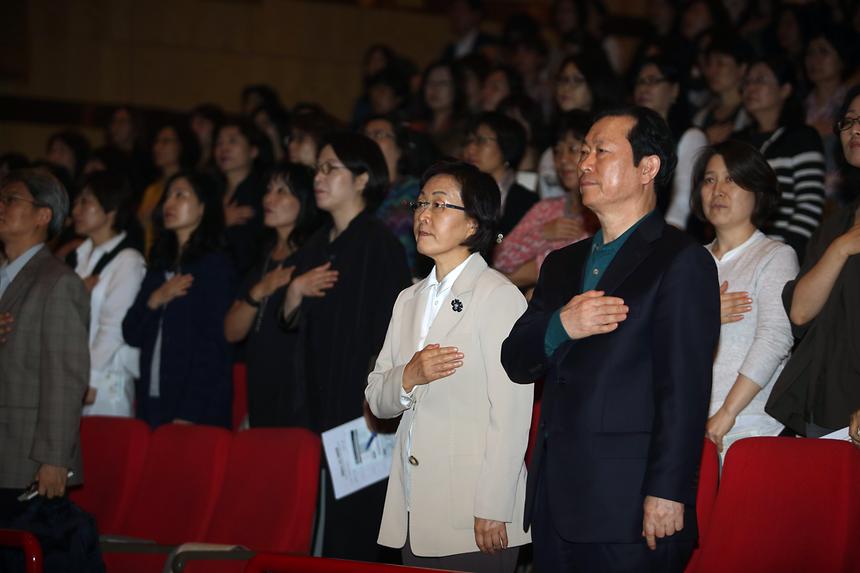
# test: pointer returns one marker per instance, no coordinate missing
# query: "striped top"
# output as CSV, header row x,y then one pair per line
x,y
796,155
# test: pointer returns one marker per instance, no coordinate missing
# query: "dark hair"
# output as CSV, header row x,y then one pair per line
x,y
604,85
207,237
266,93
208,111
515,81
12,161
112,158
384,49
394,80
784,71
458,105
361,155
729,44
417,151
532,114
850,181
313,122
113,192
280,118
47,191
475,62
481,198
300,179
650,135
79,145
577,122
842,41
254,137
189,147
678,118
510,135
748,169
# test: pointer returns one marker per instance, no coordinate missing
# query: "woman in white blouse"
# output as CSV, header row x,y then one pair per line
x,y
735,189
457,487
112,269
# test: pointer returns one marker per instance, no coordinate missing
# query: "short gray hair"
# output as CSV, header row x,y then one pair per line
x,y
47,191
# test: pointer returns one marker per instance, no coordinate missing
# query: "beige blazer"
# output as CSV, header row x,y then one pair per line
x,y
44,370
470,430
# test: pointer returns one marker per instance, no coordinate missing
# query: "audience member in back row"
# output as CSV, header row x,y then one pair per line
x,y
45,360
495,145
792,149
112,268
442,106
242,153
174,148
555,222
457,488
734,189
357,268
69,150
177,319
818,391
290,216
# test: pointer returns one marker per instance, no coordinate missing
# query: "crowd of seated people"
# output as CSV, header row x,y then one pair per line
x,y
281,236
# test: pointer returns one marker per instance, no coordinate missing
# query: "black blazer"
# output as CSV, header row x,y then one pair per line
x,y
517,204
623,413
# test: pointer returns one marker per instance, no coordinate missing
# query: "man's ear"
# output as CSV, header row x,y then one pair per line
x,y
649,167
44,216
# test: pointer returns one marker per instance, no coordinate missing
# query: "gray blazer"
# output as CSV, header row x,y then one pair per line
x,y
44,371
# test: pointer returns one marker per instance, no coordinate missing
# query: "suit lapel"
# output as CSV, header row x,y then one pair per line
x,y
461,291
410,326
23,280
636,249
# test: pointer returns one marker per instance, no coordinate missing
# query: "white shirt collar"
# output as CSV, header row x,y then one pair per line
x,y
88,255
754,238
447,282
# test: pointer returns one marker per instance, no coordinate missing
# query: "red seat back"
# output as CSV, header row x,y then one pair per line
x,y
274,563
706,494
179,484
28,544
113,450
787,505
269,494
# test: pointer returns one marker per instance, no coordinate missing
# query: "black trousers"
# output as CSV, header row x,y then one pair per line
x,y
554,554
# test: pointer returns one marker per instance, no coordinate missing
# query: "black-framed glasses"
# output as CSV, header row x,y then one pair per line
x,y
434,206
847,123
328,167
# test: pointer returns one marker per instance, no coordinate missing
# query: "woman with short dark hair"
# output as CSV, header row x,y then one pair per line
x,y
347,277
177,319
734,190
291,217
112,268
495,144
456,492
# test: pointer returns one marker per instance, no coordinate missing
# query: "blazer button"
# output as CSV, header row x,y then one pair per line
x,y
413,460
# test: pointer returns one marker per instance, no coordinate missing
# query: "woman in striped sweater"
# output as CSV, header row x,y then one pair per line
x,y
792,149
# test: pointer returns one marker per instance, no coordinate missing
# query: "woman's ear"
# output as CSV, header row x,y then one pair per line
x,y
360,182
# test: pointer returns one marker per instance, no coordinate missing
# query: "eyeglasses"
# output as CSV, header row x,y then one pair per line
x,y
7,199
435,206
650,81
379,135
570,81
847,123
328,167
481,140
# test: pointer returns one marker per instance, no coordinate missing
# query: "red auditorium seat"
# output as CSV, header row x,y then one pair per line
x,y
240,393
268,498
178,490
706,495
275,563
114,450
787,505
28,544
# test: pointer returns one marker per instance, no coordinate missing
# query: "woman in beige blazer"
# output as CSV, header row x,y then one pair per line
x,y
457,487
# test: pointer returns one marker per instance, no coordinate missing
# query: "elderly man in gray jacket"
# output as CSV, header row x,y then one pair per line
x,y
44,353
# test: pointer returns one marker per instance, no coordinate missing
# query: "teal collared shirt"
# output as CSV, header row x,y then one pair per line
x,y
599,259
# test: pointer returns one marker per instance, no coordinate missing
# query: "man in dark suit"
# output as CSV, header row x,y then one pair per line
x,y
44,357
465,17
623,328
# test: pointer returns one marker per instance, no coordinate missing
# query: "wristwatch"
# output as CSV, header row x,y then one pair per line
x,y
250,300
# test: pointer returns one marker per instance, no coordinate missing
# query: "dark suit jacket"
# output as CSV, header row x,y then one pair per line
x,y
44,371
482,39
195,378
517,204
623,413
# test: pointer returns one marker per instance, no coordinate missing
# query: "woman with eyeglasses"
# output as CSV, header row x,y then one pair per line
x,y
456,491
792,149
658,87
290,216
495,144
551,223
818,391
735,189
352,269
